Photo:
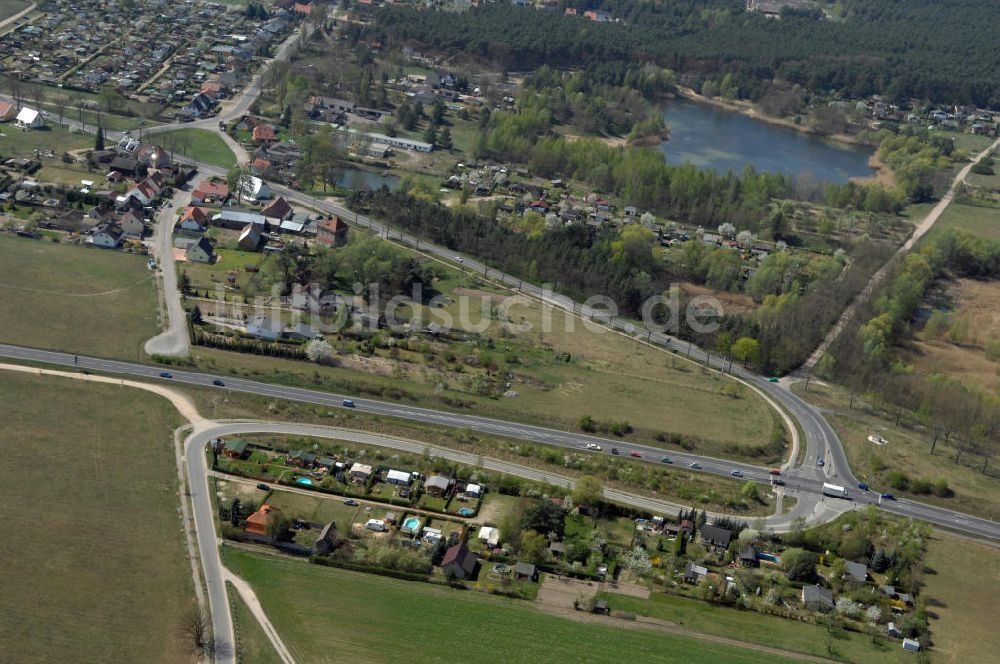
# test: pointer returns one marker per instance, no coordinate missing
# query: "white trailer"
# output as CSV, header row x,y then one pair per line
x,y
834,490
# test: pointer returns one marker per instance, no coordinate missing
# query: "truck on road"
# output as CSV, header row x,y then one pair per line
x,y
834,490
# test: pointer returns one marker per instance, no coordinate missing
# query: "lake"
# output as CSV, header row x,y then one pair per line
x,y
710,137
355,178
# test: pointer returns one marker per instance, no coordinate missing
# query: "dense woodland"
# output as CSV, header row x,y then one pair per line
x,y
942,51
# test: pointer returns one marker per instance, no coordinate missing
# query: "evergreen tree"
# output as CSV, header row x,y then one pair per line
x,y
444,140
99,140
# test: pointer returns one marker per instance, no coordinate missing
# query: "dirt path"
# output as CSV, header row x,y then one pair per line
x,y
250,597
922,228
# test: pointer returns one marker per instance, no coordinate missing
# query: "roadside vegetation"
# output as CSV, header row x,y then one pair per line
x,y
252,645
92,468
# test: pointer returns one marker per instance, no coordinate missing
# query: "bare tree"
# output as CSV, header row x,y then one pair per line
x,y
37,94
195,630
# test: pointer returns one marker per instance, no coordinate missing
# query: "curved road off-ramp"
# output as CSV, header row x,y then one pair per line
x,y
203,514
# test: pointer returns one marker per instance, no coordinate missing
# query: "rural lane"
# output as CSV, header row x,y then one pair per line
x,y
174,340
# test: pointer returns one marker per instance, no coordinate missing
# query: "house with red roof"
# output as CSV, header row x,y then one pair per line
x,y
6,111
209,191
264,133
193,219
332,232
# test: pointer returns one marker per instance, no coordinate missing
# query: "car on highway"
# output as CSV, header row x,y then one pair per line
x,y
888,496
694,464
773,379
862,486
166,374
777,481
736,473
348,403
263,487
218,382
666,459
459,259
635,454
351,502
594,447
774,471
820,462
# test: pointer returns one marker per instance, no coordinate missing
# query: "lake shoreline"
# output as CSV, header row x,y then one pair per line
x,y
881,174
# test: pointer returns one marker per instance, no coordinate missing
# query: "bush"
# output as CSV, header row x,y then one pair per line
x,y
897,480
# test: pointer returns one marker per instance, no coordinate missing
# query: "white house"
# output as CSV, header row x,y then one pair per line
x,y
473,491
264,327
29,118
132,224
253,188
108,236
399,477
489,535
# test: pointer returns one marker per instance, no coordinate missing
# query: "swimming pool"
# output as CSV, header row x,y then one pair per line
x,y
304,480
411,524
769,557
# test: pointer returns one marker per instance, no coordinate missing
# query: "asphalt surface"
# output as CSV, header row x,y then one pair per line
x,y
174,340
805,482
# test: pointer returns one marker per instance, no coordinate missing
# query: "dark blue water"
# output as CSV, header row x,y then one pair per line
x,y
710,137
354,178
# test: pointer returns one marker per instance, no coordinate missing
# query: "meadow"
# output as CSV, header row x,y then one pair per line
x,y
95,564
75,298
326,614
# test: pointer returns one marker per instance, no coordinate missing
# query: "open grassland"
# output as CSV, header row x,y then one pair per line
x,y
10,7
980,220
558,375
908,452
976,303
75,298
750,626
15,142
961,578
199,144
252,645
323,613
95,566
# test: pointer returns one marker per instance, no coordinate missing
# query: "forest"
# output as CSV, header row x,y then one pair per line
x,y
942,52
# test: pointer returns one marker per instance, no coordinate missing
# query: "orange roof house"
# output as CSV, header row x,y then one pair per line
x,y
6,111
264,133
332,232
259,522
303,8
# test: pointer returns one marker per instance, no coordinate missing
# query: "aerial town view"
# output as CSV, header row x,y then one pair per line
x,y
500,331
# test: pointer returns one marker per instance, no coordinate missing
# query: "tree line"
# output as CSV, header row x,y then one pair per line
x,y
920,49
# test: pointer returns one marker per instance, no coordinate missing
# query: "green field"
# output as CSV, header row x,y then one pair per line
x,y
15,142
750,626
10,7
980,220
95,564
75,298
961,578
200,144
331,615
252,646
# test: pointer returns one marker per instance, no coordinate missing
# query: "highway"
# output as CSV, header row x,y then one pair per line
x,y
804,482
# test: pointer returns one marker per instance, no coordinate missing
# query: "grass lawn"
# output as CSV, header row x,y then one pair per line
x,y
908,451
75,298
205,277
252,645
321,613
754,627
318,510
200,144
95,565
17,143
69,174
980,220
961,578
10,7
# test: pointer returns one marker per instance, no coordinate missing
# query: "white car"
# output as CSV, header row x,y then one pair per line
x,y
458,259
594,446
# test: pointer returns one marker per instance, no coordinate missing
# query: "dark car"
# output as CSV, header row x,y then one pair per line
x,y
888,496
736,473
666,459
263,487
862,486
218,383
777,481
348,403
614,450
635,454
166,374
351,502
